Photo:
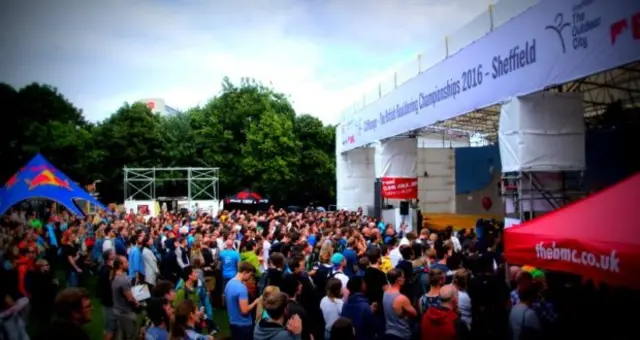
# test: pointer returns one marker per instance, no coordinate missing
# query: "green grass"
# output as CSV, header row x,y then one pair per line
x,y
95,328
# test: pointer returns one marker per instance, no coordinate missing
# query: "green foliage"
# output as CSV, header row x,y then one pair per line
x,y
249,130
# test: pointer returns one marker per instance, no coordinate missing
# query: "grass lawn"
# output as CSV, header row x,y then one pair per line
x,y
95,327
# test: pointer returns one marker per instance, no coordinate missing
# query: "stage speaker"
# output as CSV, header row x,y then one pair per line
x,y
377,198
404,208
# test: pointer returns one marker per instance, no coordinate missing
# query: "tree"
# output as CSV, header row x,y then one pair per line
x,y
180,138
39,119
131,137
249,130
222,126
317,160
271,155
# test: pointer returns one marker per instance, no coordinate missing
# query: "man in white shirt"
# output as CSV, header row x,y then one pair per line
x,y
107,244
394,254
266,246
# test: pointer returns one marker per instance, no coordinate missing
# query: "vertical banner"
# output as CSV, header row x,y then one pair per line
x,y
398,163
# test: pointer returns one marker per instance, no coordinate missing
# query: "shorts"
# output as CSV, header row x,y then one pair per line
x,y
110,325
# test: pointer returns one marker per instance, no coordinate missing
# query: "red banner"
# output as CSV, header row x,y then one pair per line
x,y
401,188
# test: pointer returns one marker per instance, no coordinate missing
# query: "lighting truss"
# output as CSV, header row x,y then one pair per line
x,y
140,183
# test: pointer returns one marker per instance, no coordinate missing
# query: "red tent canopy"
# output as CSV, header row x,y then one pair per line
x,y
597,237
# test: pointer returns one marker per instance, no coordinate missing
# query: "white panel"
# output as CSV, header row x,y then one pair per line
x,y
542,132
397,158
436,190
355,178
134,204
442,140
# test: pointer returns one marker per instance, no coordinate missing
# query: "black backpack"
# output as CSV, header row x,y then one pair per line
x,y
265,280
322,275
276,248
333,274
418,285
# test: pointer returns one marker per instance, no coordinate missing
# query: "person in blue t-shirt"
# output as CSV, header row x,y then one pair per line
x,y
236,297
352,258
229,259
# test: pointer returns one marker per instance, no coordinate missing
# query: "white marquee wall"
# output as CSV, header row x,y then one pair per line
x,y
355,174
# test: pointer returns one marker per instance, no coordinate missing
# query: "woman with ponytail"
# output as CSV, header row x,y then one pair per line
x,y
185,317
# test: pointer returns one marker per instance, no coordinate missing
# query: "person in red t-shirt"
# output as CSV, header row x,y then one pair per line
x,y
443,322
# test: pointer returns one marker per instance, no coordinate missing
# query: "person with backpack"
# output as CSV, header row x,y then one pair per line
x,y
274,274
192,288
169,264
321,271
339,263
406,266
419,284
358,309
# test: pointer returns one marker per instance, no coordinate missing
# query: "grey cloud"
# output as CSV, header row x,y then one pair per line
x,y
386,24
84,47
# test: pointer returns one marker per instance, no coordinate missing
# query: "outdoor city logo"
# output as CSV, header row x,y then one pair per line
x,y
574,30
46,177
558,27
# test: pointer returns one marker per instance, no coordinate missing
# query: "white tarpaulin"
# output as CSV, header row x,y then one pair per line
x,y
542,132
355,178
396,166
397,158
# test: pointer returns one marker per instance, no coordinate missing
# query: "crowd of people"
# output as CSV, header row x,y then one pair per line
x,y
277,275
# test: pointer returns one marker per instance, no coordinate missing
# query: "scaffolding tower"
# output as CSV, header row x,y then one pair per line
x,y
526,191
202,183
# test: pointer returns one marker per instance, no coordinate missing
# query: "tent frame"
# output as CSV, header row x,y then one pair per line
x,y
202,183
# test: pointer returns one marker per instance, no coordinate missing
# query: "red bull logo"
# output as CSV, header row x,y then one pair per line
x,y
12,181
46,177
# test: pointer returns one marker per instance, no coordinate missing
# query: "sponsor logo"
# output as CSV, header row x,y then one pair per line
x,y
621,26
12,181
46,177
616,29
558,27
581,21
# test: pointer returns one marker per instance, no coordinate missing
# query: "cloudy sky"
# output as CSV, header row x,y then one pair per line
x,y
324,53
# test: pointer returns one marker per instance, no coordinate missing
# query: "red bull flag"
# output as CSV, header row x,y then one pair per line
x,y
40,179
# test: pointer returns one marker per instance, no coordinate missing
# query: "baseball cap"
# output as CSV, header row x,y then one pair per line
x,y
337,259
528,269
537,274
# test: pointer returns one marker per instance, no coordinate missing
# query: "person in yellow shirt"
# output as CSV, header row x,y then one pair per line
x,y
385,264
